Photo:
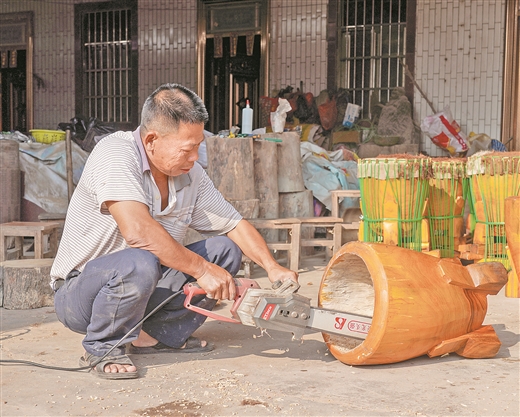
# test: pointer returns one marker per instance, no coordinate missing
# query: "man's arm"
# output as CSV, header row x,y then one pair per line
x,y
141,231
254,247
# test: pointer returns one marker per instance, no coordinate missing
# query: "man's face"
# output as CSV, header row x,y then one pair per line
x,y
174,153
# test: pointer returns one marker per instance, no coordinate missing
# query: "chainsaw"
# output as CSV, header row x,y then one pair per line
x,y
281,308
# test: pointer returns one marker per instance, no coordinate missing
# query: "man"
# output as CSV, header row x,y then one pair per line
x,y
121,252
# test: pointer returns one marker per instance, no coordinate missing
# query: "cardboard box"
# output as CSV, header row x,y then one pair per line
x,y
346,136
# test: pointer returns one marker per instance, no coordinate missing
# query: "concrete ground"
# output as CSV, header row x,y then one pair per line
x,y
254,374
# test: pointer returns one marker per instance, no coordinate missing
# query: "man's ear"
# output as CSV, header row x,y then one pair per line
x,y
149,140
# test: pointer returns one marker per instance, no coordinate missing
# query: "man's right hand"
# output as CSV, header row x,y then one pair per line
x,y
217,282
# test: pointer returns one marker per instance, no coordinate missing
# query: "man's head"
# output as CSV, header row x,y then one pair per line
x,y
170,105
172,124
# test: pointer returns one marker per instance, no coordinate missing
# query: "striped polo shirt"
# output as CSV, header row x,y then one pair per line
x,y
118,170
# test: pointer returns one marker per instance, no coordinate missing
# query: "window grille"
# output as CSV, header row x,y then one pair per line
x,y
107,64
372,49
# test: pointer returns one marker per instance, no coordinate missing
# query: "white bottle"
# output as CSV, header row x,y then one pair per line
x,y
247,119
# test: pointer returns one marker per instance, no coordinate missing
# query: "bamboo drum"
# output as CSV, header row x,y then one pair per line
x,y
393,200
446,201
494,176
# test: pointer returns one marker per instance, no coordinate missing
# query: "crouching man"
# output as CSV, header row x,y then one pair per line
x,y
121,252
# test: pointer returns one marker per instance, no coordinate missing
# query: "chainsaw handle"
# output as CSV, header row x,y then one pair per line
x,y
192,288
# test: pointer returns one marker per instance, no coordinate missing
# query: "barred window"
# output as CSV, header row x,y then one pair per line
x,y
372,49
105,83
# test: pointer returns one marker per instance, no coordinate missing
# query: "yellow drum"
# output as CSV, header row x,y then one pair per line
x,y
446,201
494,176
394,189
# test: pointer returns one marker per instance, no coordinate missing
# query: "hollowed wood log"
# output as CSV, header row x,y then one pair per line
x,y
418,303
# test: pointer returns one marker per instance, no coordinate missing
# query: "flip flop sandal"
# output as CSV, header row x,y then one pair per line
x,y
99,369
193,344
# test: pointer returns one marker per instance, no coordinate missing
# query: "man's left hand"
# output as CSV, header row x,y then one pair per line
x,y
279,273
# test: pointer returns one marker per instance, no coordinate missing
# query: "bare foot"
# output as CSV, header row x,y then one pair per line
x,y
116,368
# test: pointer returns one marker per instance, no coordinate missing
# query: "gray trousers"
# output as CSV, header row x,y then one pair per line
x,y
114,292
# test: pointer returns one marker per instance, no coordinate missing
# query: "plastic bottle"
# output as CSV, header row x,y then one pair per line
x,y
247,119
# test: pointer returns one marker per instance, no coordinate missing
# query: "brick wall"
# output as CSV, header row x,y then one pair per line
x,y
459,62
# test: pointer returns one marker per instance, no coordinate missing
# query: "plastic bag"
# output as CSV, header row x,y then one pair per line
x,y
278,117
445,132
328,114
96,130
87,134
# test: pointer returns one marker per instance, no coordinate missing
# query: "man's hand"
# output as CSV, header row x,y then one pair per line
x,y
217,282
279,273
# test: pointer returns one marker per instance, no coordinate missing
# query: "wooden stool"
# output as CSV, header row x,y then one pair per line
x,y
293,226
337,194
54,218
37,230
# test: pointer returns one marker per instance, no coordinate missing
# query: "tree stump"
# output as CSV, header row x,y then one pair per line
x,y
26,284
290,176
230,167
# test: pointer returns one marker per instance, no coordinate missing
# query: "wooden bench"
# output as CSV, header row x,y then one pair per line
x,y
36,230
292,245
328,242
295,241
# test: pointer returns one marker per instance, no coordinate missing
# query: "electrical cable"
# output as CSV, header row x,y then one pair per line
x,y
59,368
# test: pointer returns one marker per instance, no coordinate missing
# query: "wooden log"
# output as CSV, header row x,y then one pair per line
x,y
290,176
297,204
418,303
230,167
247,208
265,170
269,210
26,283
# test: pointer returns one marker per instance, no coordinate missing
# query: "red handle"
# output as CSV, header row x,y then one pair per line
x,y
242,285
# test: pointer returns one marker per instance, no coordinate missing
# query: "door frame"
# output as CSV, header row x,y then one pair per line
x,y
26,19
201,45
